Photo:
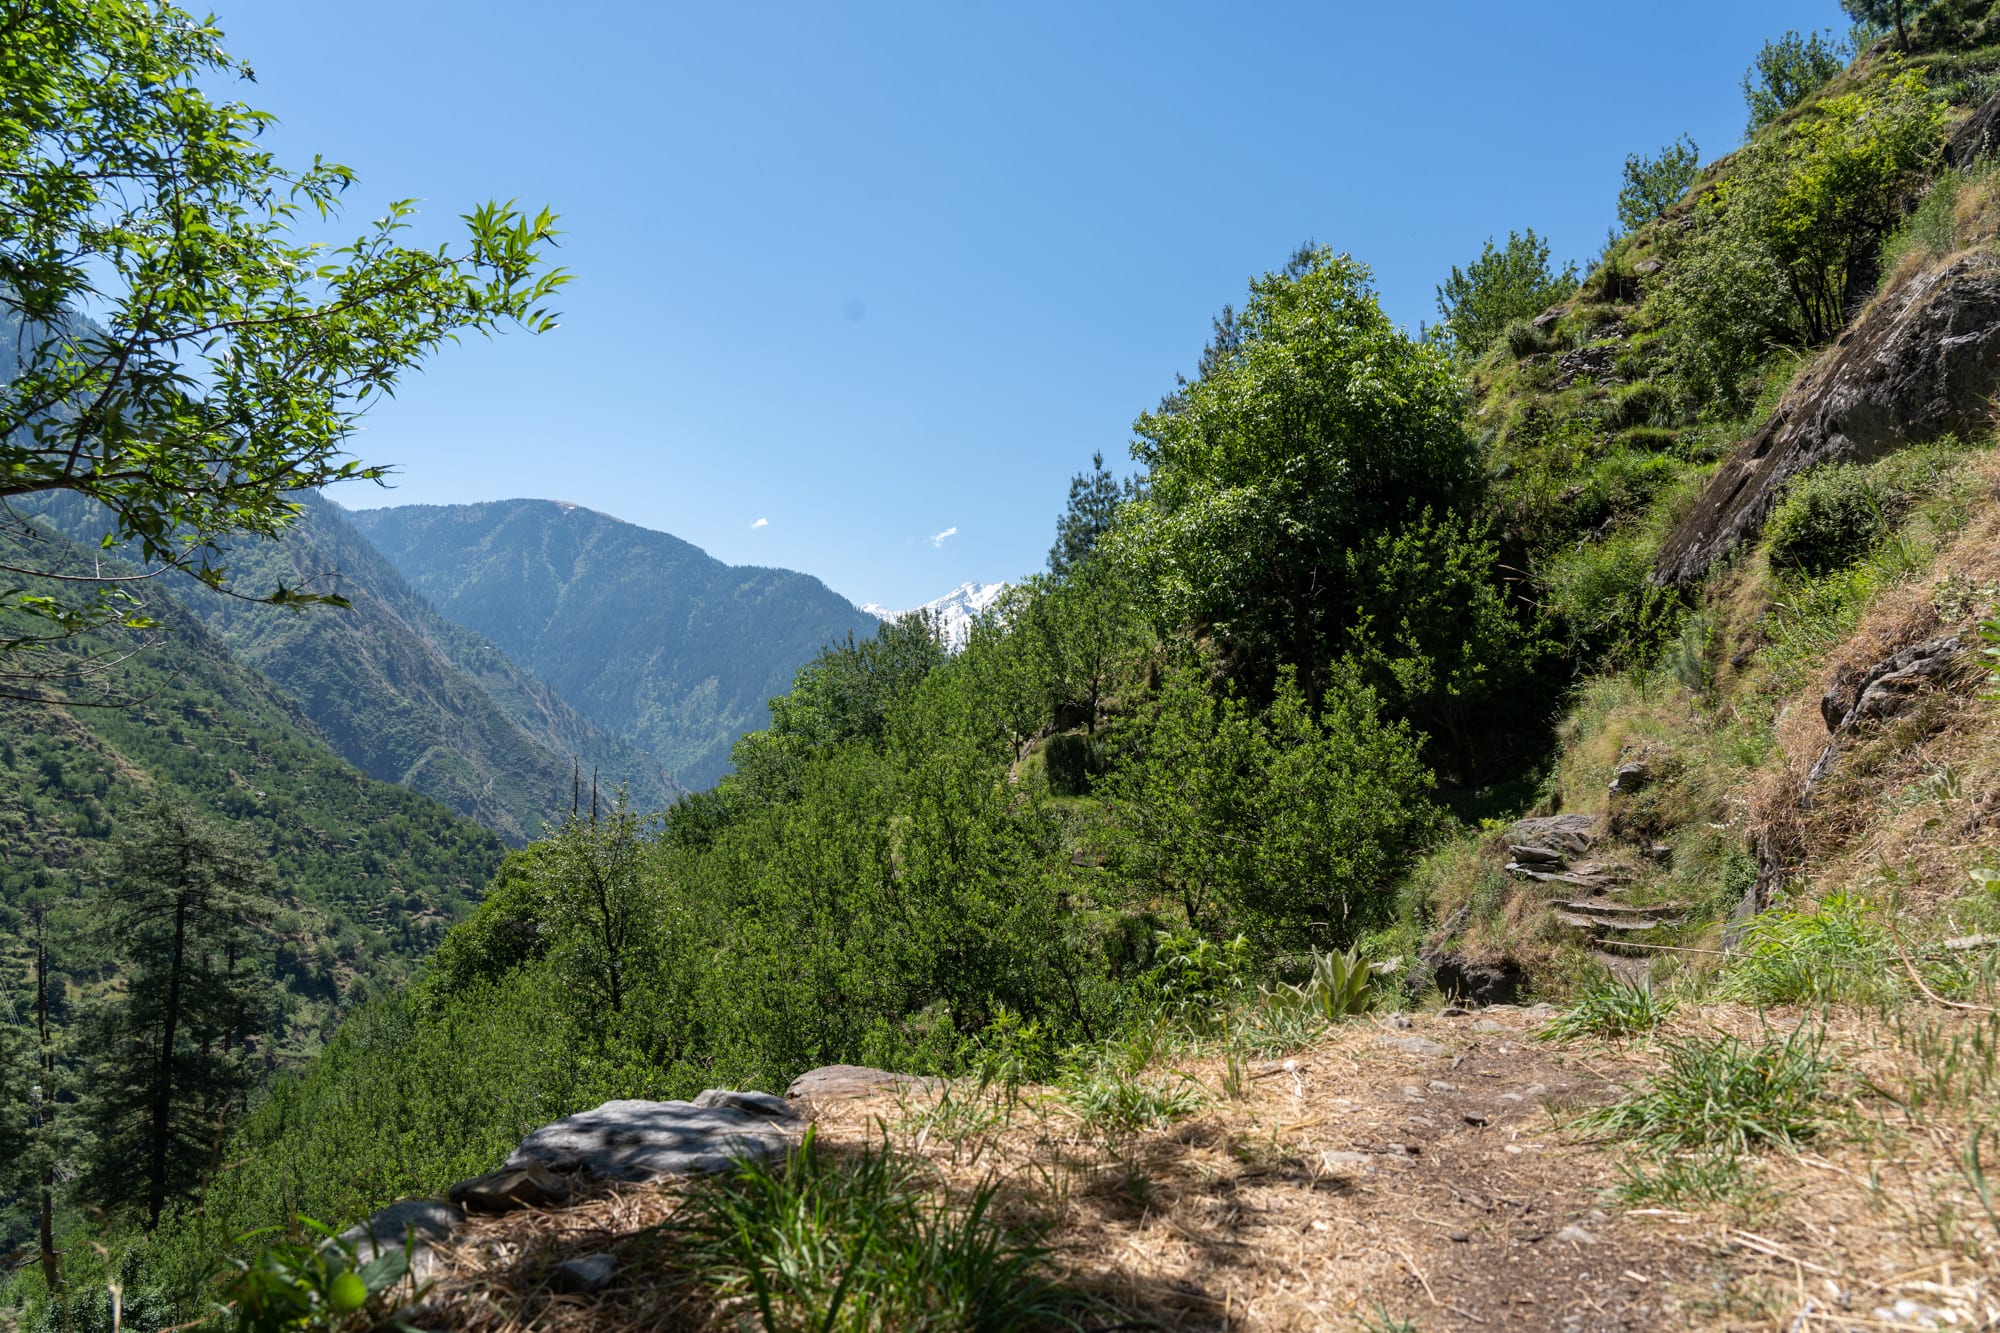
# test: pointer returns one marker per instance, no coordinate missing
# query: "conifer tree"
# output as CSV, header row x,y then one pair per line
x,y
1094,497
182,905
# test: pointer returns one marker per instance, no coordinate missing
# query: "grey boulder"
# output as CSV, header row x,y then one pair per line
x,y
836,1082
640,1140
409,1226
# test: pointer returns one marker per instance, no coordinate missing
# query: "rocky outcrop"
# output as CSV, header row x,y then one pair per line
x,y
639,1140
1978,137
1883,691
1923,362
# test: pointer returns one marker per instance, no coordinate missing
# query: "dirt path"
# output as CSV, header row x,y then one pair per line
x,y
1388,1177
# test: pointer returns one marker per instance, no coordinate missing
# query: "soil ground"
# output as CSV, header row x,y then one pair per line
x,y
1387,1177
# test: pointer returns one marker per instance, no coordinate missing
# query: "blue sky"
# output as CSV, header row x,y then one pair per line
x,y
870,273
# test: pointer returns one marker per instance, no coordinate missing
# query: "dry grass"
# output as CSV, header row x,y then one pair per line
x,y
1356,1178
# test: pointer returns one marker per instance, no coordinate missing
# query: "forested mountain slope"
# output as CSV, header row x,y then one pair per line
x,y
409,697
372,873
646,635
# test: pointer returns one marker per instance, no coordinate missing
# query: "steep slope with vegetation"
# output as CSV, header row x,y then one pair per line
x,y
1620,643
398,691
651,639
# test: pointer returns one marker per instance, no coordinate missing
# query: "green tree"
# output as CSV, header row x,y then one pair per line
x,y
1504,284
604,912
1885,14
1655,184
1783,246
1788,71
1325,424
181,909
1285,824
1434,634
226,359
1094,497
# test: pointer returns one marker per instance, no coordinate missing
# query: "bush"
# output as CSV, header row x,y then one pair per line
x,y
1524,339
1829,519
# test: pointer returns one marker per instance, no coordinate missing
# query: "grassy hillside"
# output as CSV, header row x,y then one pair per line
x,y
651,639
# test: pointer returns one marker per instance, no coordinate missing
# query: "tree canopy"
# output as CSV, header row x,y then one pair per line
x,y
1323,423
174,350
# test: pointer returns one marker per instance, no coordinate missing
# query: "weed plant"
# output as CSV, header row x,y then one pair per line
x,y
1722,1095
835,1244
1833,950
1115,1104
1617,1009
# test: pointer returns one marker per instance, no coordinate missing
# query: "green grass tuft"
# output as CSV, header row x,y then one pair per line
x,y
1618,1009
831,1244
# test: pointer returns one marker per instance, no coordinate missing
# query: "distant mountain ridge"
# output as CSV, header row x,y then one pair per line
x,y
397,690
648,636
954,612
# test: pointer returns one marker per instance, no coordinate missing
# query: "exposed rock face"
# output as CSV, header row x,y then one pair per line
x,y
1924,362
1879,693
638,1140
1978,137
1498,982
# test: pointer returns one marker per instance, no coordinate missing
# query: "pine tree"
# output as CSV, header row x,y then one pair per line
x,y
183,907
1094,497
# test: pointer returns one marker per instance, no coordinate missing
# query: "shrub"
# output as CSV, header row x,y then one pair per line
x,y
1524,339
1115,1104
1828,519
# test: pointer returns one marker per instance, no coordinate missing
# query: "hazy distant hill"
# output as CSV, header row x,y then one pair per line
x,y
402,693
650,637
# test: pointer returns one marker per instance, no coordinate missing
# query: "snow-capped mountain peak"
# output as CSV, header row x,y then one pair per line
x,y
954,612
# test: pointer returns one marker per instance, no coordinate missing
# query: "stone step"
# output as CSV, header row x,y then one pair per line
x,y
1605,907
1623,924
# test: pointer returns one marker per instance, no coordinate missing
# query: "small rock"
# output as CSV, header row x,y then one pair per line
x,y
584,1274
1510,1096
1461,1237
1399,1021
750,1103
1576,1235
1412,1093
1488,1025
1535,1090
1475,1119
1336,1160
1439,1085
1417,1046
1453,1011
1628,778
530,1186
